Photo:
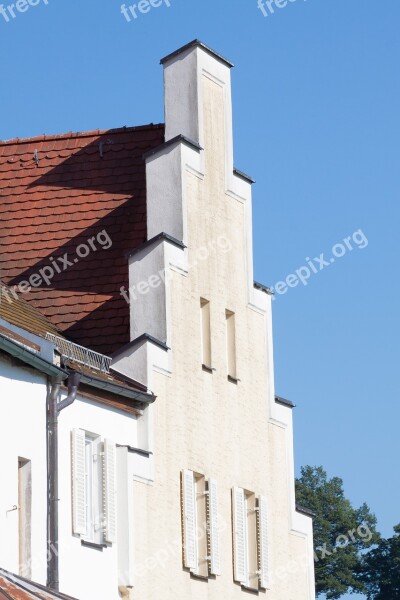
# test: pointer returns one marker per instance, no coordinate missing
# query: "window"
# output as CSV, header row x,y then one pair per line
x,y
93,488
25,517
205,332
231,344
250,539
200,524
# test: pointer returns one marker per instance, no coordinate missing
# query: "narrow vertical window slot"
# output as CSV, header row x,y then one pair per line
x,y
231,344
205,332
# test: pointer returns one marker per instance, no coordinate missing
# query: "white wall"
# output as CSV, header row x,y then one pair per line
x,y
23,434
233,433
89,573
85,573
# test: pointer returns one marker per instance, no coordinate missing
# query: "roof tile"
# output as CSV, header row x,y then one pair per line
x,y
80,185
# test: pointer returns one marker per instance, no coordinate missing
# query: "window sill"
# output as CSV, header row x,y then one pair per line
x,y
207,369
233,379
250,590
93,545
200,577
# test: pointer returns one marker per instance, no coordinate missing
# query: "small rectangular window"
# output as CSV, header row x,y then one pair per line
x,y
250,539
93,487
231,343
205,332
25,516
200,524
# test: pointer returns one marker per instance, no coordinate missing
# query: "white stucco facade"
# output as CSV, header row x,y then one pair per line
x,y
23,436
86,571
231,431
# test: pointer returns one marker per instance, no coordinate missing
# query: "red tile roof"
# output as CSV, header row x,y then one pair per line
x,y
57,192
13,587
22,314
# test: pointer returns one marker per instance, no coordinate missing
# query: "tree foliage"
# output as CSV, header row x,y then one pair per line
x,y
381,569
341,533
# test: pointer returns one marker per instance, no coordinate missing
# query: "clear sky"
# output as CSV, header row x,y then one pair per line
x,y
316,123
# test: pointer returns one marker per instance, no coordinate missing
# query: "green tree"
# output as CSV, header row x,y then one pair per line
x,y
341,533
381,569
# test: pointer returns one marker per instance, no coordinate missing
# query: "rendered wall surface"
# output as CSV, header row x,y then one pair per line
x,y
22,412
91,573
234,433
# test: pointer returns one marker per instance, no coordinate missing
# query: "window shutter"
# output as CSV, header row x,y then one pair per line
x,y
215,567
263,548
109,492
78,482
240,535
189,520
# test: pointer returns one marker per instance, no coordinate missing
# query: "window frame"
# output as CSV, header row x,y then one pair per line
x,y
206,552
205,334
94,450
94,488
252,532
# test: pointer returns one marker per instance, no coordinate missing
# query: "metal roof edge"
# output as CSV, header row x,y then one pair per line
x,y
284,402
197,44
101,384
182,139
145,337
242,175
30,358
264,288
305,511
160,236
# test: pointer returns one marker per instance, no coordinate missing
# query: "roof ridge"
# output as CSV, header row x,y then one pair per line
x,y
80,134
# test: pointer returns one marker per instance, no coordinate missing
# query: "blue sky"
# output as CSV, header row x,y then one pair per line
x,y
316,123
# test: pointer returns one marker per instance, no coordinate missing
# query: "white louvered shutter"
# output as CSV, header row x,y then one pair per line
x,y
215,566
110,492
78,461
189,520
240,535
263,542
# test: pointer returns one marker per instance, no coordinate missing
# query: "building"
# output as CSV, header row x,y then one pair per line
x,y
137,244
58,525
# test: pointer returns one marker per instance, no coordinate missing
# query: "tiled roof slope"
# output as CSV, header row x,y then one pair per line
x,y
22,314
55,194
13,587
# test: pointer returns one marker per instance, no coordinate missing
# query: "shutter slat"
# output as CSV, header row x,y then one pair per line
x,y
110,492
78,462
240,535
189,520
215,566
263,542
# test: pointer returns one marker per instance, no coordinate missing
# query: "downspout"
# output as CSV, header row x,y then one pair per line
x,y
53,410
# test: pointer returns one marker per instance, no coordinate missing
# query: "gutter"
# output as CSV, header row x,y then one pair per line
x,y
54,407
29,358
119,390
